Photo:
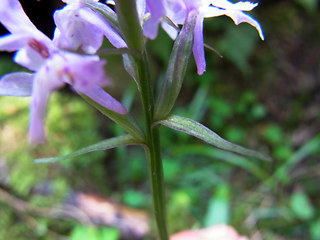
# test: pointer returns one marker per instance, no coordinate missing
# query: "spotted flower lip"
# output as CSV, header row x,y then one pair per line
x,y
52,69
177,11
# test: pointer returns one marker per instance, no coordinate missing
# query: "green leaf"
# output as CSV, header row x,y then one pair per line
x,y
273,134
176,70
196,129
93,233
315,229
100,146
309,148
125,121
134,198
227,157
83,232
230,44
301,206
109,233
309,5
219,207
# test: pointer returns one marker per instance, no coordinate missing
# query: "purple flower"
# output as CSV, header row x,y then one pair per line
x,y
157,11
80,27
178,11
52,69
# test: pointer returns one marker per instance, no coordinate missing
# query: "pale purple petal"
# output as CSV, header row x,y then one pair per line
x,y
170,30
150,28
86,70
13,42
80,27
192,4
40,97
198,46
96,20
75,32
14,18
177,11
101,97
29,59
17,84
46,80
239,17
86,75
157,10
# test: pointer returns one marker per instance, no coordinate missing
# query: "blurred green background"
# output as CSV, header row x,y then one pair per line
x,y
262,94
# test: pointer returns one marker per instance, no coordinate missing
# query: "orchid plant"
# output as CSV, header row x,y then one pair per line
x,y
74,56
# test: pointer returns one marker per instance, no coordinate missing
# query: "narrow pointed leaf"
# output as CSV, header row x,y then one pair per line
x,y
224,156
100,146
196,129
176,70
125,121
131,67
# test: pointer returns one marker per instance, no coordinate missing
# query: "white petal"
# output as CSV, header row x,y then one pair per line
x,y
79,1
245,6
141,8
236,15
242,6
212,12
17,84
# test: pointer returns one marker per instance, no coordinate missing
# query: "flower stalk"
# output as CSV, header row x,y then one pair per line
x,y
129,23
152,150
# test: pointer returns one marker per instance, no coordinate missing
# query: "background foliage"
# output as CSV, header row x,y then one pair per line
x,y
263,95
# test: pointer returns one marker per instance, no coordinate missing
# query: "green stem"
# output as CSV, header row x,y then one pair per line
x,y
130,26
152,150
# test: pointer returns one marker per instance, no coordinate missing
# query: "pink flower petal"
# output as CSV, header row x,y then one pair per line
x,y
216,232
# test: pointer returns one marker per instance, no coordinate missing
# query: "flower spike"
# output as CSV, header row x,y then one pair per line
x,y
52,69
177,12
